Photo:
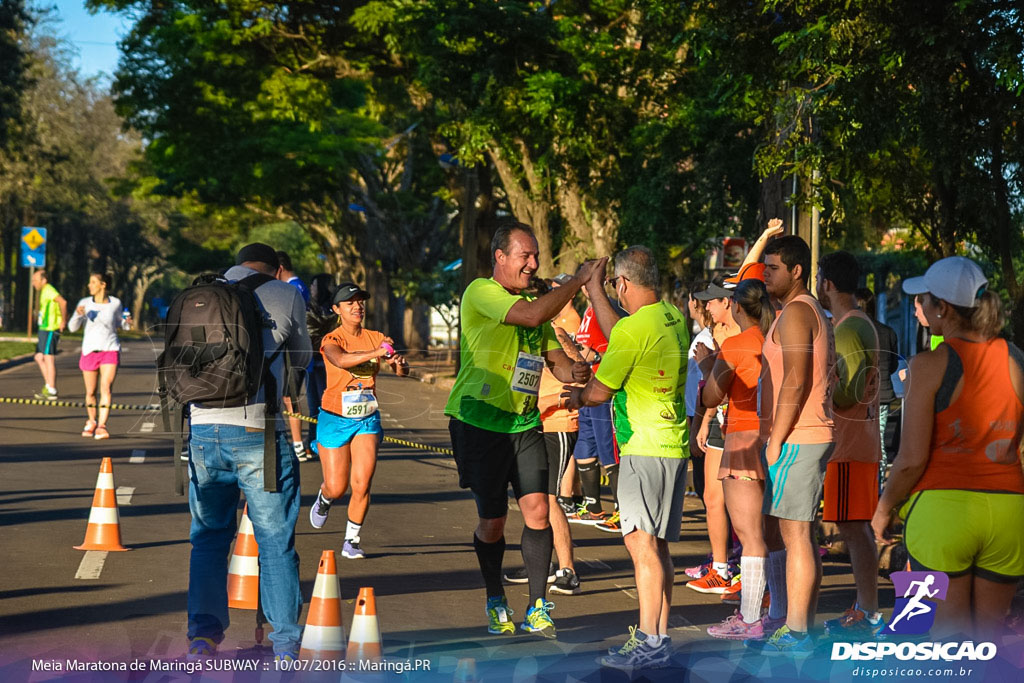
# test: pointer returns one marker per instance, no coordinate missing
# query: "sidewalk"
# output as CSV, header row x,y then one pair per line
x,y
432,367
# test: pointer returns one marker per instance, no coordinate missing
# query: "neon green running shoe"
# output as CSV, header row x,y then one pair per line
x,y
498,616
538,620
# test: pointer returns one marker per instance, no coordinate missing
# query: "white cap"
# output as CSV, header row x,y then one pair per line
x,y
954,279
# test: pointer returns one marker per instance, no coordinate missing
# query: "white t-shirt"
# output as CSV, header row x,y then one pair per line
x,y
101,322
693,376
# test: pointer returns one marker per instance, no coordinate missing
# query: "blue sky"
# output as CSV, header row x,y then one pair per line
x,y
94,36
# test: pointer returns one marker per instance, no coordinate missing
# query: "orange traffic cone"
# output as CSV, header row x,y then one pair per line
x,y
324,635
244,568
104,529
364,636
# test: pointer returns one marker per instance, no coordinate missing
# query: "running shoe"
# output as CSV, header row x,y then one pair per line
x,y
637,654
701,569
734,628
538,619
302,453
769,625
520,576
351,549
46,394
89,429
101,432
854,625
611,525
731,595
782,642
712,583
284,660
498,616
566,583
318,513
201,647
585,516
568,507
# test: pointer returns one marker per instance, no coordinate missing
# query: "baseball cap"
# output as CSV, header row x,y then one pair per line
x,y
954,279
348,291
259,252
713,292
751,271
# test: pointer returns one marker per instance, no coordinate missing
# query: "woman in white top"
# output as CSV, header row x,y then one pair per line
x,y
101,350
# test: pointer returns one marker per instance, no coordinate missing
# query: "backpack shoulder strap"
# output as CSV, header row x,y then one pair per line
x,y
252,282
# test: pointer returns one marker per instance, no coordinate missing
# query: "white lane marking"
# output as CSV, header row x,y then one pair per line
x,y
400,425
124,494
147,427
138,456
514,504
594,564
631,592
92,564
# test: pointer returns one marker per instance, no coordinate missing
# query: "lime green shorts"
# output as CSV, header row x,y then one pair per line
x,y
966,532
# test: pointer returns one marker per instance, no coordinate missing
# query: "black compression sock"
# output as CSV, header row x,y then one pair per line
x,y
536,548
489,556
590,482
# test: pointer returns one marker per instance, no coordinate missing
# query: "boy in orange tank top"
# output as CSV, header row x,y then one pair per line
x,y
795,400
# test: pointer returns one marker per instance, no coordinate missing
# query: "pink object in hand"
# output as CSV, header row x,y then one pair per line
x,y
389,348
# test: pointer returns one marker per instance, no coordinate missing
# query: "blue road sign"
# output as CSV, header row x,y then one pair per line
x,y
33,247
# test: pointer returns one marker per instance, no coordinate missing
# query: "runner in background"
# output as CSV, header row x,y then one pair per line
x,y
710,439
959,459
698,313
101,315
596,447
320,321
851,480
53,318
349,429
296,376
888,364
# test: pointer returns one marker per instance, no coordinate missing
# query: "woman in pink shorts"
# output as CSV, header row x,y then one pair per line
x,y
101,314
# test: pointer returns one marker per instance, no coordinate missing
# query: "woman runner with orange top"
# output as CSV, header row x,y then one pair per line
x,y
348,428
958,476
734,377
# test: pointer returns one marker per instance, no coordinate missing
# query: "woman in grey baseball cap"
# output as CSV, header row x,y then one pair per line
x,y
958,481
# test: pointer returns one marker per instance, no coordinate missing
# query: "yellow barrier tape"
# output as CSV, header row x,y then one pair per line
x,y
388,439
76,404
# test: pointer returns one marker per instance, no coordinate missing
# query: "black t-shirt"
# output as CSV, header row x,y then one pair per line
x,y
888,360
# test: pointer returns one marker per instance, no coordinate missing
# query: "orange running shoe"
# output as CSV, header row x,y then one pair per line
x,y
712,582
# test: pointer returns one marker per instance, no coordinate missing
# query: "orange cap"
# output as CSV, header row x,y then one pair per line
x,y
751,271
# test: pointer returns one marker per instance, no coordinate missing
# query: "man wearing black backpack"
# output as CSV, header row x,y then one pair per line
x,y
227,456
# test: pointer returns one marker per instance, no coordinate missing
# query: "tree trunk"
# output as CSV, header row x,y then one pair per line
x,y
396,318
417,327
590,233
527,202
330,242
772,202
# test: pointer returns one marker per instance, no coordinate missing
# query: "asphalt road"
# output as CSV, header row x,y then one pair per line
x,y
418,539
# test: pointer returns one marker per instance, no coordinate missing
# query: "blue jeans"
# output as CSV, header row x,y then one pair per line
x,y
226,459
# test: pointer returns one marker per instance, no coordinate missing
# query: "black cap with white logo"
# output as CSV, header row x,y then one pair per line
x,y
348,291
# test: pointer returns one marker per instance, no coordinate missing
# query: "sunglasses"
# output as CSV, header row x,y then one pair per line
x,y
611,280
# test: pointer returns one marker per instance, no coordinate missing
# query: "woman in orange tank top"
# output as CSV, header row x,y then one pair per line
x,y
348,427
958,475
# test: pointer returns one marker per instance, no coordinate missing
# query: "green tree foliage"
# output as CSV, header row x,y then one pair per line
x,y
13,64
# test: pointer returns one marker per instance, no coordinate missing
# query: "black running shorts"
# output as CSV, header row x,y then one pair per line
x,y
559,446
489,461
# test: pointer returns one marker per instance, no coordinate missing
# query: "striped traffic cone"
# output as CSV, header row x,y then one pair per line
x,y
104,529
364,636
324,635
244,568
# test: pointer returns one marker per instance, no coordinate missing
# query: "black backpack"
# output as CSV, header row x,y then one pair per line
x,y
213,354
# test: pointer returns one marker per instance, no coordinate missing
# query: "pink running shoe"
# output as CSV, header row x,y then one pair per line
x,y
734,628
700,570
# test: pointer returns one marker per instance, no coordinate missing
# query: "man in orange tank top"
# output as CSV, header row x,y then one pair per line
x,y
795,406
851,481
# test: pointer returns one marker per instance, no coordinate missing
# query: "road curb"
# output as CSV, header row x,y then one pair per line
x,y
16,361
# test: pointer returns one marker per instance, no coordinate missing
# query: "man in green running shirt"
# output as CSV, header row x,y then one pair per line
x,y
53,318
495,425
644,369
